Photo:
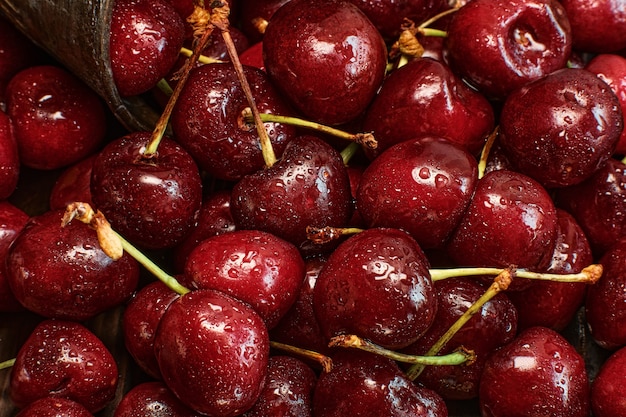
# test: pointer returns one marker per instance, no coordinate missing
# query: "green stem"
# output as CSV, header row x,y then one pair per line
x,y
203,59
348,152
589,275
7,364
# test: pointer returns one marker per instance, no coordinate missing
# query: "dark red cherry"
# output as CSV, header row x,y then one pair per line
x,y
494,325
599,205
364,384
73,185
12,221
554,304
207,120
537,373
153,202
255,16
54,407
597,26
9,158
152,399
256,267
146,37
579,129
253,56
327,58
140,320
511,220
213,352
61,272
57,119
499,47
605,305
433,182
288,389
608,389
64,359
425,98
308,186
376,285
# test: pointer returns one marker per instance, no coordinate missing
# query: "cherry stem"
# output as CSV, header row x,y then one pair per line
x,y
458,357
589,275
500,283
321,235
199,14
203,59
348,152
484,154
323,360
365,139
7,364
114,245
438,16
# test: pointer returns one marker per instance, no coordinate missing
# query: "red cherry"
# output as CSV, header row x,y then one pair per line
x,y
12,221
9,158
608,389
152,399
597,26
54,407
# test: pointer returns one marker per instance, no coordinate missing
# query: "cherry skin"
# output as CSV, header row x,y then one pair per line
x,y
376,285
152,202
140,320
308,186
494,325
447,108
207,120
57,119
213,352
253,266
608,389
511,220
62,272
579,129
554,304
288,390
328,34
255,16
370,385
64,359
434,180
611,69
537,373
146,37
9,158
253,56
73,184
527,40
54,407
152,399
604,305
597,26
12,221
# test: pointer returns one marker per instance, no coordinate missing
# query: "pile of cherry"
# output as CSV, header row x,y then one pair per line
x,y
300,234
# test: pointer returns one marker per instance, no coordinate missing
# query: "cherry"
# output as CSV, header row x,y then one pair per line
x,y
608,389
62,272
57,119
9,158
64,359
447,108
255,16
611,69
554,304
328,34
12,221
207,120
604,305
141,318
581,125
366,384
288,389
213,352
433,182
537,373
153,202
597,26
146,37
73,184
511,220
253,266
599,205
376,285
526,40
152,399
308,186
253,56
493,326
54,407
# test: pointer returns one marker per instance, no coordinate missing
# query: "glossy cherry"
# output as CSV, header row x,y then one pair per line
x,y
153,399
9,158
608,389
597,26
73,184
54,407
12,221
